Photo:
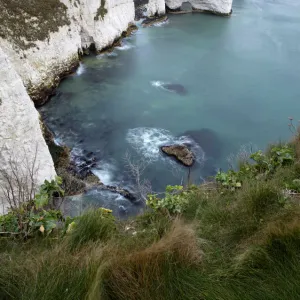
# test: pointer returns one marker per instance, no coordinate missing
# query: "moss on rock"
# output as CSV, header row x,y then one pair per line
x,y
24,22
101,12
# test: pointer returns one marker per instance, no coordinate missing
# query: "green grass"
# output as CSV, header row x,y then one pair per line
x,y
227,245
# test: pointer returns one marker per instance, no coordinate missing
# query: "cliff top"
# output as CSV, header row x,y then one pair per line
x,y
24,22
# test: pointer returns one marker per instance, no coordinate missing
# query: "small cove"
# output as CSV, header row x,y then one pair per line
x,y
241,76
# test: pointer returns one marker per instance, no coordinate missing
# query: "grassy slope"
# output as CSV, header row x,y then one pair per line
x,y
227,245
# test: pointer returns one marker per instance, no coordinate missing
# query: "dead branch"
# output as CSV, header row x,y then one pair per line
x,y
136,168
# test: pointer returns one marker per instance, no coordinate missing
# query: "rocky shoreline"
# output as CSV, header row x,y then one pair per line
x,y
76,172
41,94
178,11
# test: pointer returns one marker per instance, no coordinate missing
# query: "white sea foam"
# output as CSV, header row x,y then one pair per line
x,y
160,85
161,24
157,83
58,141
147,141
125,46
105,173
112,54
81,69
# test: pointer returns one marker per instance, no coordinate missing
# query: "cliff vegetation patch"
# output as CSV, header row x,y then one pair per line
x,y
24,22
101,12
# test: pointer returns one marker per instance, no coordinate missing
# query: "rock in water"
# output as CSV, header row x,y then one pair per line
x,y
176,88
181,153
208,140
151,21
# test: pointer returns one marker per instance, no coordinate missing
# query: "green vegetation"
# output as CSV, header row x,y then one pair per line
x,y
237,238
101,12
24,219
24,22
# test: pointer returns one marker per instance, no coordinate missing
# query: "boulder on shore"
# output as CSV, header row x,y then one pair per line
x,y
181,152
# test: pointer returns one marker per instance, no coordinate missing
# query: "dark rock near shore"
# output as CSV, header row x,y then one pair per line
x,y
131,28
176,88
181,153
117,190
151,21
140,8
82,164
41,94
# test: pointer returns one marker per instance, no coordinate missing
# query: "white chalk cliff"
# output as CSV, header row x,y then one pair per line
x,y
21,141
216,6
40,44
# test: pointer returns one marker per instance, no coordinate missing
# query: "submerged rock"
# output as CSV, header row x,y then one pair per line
x,y
123,192
153,20
175,87
208,140
181,153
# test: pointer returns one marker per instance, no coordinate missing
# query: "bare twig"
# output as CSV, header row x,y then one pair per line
x,y
18,180
136,169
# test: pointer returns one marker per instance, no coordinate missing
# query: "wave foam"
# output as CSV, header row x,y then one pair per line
x,y
161,24
105,173
158,83
125,47
81,69
147,141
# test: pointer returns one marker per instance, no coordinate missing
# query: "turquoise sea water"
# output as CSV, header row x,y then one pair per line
x,y
241,74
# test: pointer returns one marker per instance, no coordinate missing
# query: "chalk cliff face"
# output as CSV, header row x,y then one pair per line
x,y
148,8
216,6
21,141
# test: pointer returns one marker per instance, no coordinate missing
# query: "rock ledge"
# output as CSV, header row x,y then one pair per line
x,y
181,152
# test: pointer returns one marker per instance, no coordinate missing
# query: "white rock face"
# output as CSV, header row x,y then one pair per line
x,y
155,7
21,139
217,6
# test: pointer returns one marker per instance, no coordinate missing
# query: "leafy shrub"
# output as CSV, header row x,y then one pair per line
x,y
279,156
261,165
229,180
36,215
48,190
174,202
294,185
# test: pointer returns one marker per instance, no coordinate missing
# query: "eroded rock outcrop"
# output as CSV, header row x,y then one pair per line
x,y
149,8
181,153
222,7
